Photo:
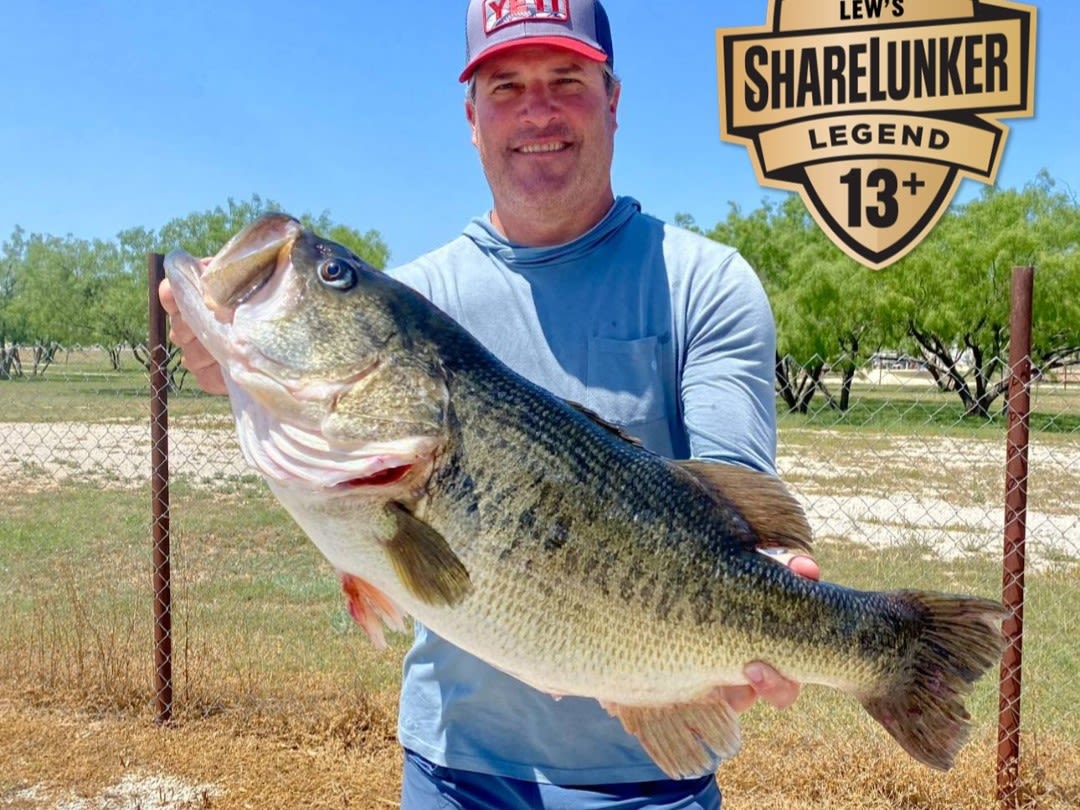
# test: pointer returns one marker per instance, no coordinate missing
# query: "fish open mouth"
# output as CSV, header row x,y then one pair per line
x,y
247,261
384,477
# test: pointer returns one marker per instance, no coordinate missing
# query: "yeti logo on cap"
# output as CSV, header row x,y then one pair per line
x,y
498,13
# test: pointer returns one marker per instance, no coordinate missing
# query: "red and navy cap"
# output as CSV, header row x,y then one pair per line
x,y
493,26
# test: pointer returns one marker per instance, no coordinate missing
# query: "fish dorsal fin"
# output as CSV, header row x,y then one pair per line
x,y
611,428
776,518
424,562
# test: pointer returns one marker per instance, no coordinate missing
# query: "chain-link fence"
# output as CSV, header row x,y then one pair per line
x,y
901,487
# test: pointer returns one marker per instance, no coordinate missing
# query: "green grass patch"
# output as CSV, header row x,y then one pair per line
x,y
905,408
257,609
88,391
109,396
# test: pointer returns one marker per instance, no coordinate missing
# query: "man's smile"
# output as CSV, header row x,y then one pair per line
x,y
538,148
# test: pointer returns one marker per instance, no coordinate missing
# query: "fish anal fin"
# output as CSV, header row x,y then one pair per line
x,y
777,519
371,608
683,739
424,561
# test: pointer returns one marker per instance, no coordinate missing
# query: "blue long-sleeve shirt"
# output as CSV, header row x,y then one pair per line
x,y
656,329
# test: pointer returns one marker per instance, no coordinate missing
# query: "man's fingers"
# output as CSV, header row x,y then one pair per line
x,y
180,333
739,698
770,685
765,683
195,358
165,295
208,377
800,563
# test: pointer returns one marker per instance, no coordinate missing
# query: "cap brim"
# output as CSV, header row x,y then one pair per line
x,y
567,44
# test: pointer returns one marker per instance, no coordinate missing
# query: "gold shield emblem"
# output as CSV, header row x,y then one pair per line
x,y
874,110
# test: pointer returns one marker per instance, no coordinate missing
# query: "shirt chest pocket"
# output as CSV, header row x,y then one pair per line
x,y
624,383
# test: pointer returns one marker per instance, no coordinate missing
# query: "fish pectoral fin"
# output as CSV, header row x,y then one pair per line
x,y
424,561
371,608
682,739
777,519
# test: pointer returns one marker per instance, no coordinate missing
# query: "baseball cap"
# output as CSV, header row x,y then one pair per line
x,y
493,26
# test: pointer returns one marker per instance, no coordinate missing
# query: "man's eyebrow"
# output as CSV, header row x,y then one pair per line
x,y
509,73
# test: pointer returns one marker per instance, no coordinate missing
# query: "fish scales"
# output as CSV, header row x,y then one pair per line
x,y
525,530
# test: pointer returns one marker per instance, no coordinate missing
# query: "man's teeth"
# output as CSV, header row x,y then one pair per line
x,y
542,147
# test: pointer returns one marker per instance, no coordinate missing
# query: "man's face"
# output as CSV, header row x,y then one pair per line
x,y
544,126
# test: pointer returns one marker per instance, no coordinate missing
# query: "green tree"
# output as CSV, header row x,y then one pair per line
x,y
11,256
203,233
828,308
56,291
53,287
832,315
953,291
368,246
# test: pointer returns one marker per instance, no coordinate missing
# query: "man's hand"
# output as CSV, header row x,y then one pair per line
x,y
765,682
196,358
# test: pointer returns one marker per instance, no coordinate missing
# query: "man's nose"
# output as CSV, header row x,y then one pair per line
x,y
538,104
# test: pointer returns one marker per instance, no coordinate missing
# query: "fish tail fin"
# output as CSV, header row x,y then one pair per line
x,y
959,639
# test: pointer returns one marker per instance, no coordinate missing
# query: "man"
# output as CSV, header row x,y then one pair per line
x,y
654,328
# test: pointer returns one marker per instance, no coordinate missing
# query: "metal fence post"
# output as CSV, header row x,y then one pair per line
x,y
159,493
1016,480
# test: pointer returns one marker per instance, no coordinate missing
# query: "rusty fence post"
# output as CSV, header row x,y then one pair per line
x,y
1012,578
159,493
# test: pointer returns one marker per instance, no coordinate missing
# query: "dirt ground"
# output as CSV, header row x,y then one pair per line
x,y
64,760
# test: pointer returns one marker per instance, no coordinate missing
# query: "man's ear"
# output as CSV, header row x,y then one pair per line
x,y
470,116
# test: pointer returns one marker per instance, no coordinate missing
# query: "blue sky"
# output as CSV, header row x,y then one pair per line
x,y
117,114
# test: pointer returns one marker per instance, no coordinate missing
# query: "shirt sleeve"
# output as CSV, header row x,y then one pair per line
x,y
727,382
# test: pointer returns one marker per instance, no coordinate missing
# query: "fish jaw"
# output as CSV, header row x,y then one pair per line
x,y
185,273
248,259
297,457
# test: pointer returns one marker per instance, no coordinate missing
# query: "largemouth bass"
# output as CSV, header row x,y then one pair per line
x,y
527,531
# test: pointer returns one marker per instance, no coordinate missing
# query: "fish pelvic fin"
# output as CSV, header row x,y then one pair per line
x,y
922,706
685,739
776,518
424,561
371,608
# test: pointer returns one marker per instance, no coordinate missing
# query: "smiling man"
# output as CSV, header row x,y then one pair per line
x,y
656,329
661,331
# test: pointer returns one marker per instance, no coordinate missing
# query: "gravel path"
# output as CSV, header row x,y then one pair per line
x,y
940,492
114,453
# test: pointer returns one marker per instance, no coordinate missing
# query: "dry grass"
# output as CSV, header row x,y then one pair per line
x,y
326,756
323,748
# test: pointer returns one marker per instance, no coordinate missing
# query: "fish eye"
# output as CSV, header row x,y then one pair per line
x,y
337,273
